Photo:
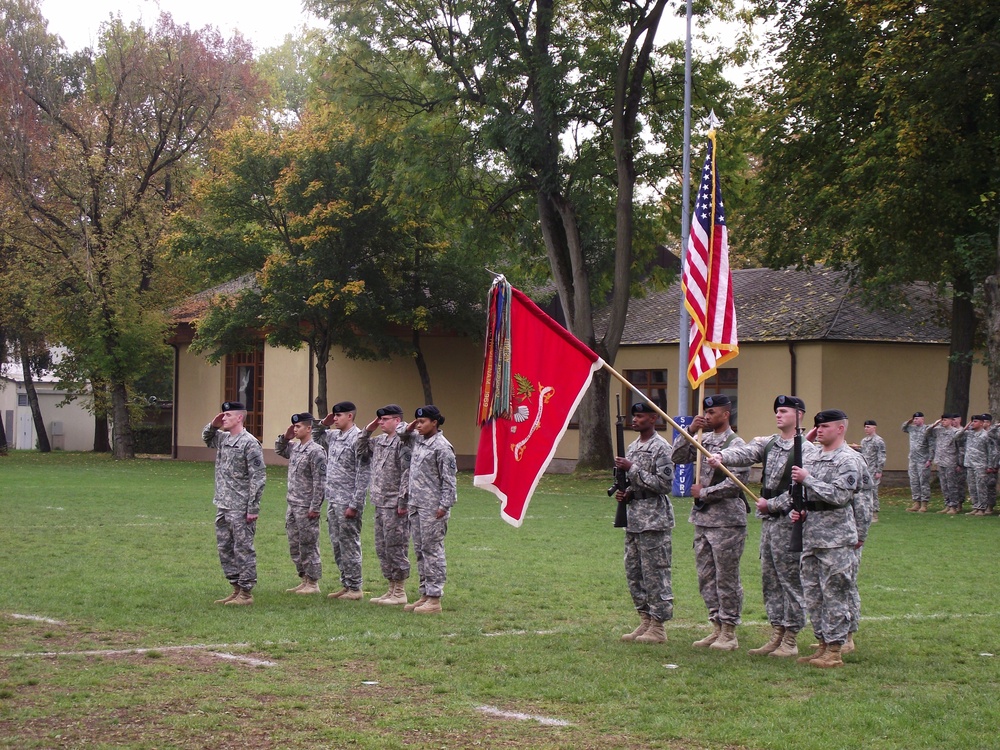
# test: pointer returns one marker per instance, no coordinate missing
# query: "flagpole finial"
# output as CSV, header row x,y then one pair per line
x,y
713,121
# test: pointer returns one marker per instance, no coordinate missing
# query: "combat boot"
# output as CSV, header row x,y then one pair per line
x,y
777,632
226,600
430,607
875,518
923,508
829,659
644,622
945,509
243,598
396,595
789,645
309,586
294,589
818,655
351,595
952,511
914,508
727,638
848,647
709,639
378,599
413,605
338,594
654,633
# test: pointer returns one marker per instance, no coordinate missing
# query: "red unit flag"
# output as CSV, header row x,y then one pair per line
x,y
534,375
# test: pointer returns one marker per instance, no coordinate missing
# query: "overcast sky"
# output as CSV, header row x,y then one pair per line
x,y
263,23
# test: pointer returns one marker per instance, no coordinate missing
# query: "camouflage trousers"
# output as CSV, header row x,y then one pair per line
x,y
951,485
428,541
991,490
920,481
717,553
647,570
780,578
855,594
978,489
345,538
303,541
828,584
234,539
392,541
875,484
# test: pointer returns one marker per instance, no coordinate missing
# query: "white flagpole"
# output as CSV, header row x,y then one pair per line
x,y
683,388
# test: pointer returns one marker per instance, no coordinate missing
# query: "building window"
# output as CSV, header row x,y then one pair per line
x,y
653,384
22,399
245,383
725,381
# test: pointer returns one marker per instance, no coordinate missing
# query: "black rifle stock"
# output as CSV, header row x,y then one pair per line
x,y
621,475
797,490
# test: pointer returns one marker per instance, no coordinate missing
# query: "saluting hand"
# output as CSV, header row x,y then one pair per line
x,y
217,422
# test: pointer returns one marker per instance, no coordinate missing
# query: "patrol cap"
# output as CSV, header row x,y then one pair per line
x,y
871,422
792,402
233,406
389,410
641,407
430,412
302,417
829,415
342,407
917,414
720,400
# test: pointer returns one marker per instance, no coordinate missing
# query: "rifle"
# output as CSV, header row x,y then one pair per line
x,y
621,475
797,490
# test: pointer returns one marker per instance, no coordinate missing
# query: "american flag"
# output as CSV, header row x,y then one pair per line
x,y
707,283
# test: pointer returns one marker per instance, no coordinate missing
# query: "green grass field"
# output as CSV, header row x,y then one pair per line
x,y
121,556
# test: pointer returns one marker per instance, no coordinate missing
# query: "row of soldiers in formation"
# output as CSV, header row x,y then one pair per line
x,y
821,580
407,470
967,459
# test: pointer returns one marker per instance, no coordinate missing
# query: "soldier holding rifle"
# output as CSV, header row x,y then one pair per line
x,y
650,517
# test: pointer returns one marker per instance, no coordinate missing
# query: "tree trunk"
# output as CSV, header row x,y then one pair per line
x,y
596,451
425,376
122,437
963,330
36,412
101,442
992,286
321,355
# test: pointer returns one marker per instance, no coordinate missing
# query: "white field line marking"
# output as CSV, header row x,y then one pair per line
x,y
544,720
36,618
128,651
245,659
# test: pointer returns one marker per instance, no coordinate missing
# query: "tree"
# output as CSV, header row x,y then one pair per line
x,y
564,99
880,131
94,154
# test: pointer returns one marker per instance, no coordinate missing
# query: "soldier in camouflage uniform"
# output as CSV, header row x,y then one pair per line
x,y
992,463
872,449
432,491
346,485
239,484
719,515
647,532
782,588
946,456
973,441
389,459
306,480
921,451
834,521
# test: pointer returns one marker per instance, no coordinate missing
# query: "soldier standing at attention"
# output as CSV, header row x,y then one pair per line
x,y
872,449
389,459
947,459
346,485
239,484
835,523
782,587
719,515
306,480
921,451
432,491
647,532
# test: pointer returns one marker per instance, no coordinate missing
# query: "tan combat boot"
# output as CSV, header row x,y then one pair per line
x,y
430,607
709,639
848,647
243,598
226,600
413,605
818,655
777,632
302,582
309,586
727,639
829,659
914,508
788,647
644,622
351,595
654,633
337,594
923,507
396,595
875,518
387,594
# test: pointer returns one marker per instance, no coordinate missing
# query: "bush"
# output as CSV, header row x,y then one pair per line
x,y
153,438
